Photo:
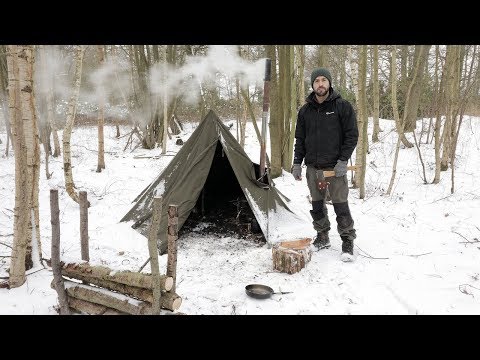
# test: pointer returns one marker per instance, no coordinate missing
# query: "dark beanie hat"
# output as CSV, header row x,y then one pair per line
x,y
320,72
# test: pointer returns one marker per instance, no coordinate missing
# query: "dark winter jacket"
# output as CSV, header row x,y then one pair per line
x,y
325,132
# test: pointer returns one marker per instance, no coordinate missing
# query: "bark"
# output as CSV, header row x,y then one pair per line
x,y
101,117
21,209
56,267
67,131
289,259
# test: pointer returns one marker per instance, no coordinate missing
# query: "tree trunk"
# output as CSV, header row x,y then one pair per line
x,y
26,61
291,257
67,131
438,121
399,124
50,103
412,99
376,96
450,99
361,152
301,78
292,118
276,116
21,209
101,118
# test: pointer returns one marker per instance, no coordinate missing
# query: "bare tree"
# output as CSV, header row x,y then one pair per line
x,y
101,118
67,131
361,152
376,95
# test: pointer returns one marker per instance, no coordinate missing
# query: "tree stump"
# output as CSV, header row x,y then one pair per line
x,y
291,256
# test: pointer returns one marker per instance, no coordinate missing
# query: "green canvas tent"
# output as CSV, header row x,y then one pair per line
x,y
212,156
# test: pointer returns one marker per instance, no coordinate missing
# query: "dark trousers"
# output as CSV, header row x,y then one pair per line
x,y
338,189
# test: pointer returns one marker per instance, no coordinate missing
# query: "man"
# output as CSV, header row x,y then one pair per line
x,y
326,135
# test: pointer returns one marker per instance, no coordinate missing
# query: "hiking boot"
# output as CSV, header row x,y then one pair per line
x,y
347,250
322,241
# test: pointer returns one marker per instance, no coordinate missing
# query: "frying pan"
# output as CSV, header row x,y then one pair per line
x,y
259,291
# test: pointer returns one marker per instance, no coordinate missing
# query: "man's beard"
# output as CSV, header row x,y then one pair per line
x,y
321,91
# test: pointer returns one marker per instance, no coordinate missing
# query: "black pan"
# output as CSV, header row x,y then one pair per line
x,y
259,291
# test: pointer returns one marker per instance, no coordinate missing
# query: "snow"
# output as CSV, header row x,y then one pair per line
x,y
416,252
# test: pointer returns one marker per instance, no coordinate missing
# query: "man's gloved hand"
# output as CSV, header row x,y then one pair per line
x,y
341,168
297,171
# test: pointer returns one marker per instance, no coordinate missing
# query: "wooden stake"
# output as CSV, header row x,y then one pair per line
x,y
172,244
153,250
84,225
57,275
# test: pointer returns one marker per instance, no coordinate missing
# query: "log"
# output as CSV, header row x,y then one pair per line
x,y
124,277
292,256
86,306
169,300
137,292
107,298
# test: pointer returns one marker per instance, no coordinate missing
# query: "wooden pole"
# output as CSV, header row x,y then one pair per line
x,y
57,274
153,250
84,225
172,244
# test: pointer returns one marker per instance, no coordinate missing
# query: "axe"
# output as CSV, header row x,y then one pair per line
x,y
322,185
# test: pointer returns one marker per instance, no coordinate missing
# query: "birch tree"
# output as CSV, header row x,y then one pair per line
x,y
26,247
21,210
67,131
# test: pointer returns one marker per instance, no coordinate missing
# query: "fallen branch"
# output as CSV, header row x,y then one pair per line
x,y
464,290
369,256
419,254
462,236
5,235
2,243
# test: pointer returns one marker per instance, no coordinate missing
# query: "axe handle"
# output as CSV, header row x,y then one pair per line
x,y
330,173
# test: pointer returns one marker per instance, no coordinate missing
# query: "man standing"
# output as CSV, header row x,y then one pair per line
x,y
326,135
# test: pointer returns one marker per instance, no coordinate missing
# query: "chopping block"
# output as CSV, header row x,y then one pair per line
x,y
291,256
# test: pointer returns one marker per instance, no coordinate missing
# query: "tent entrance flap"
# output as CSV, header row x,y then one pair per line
x,y
221,207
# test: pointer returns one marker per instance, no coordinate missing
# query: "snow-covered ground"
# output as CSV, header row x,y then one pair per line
x,y
417,251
